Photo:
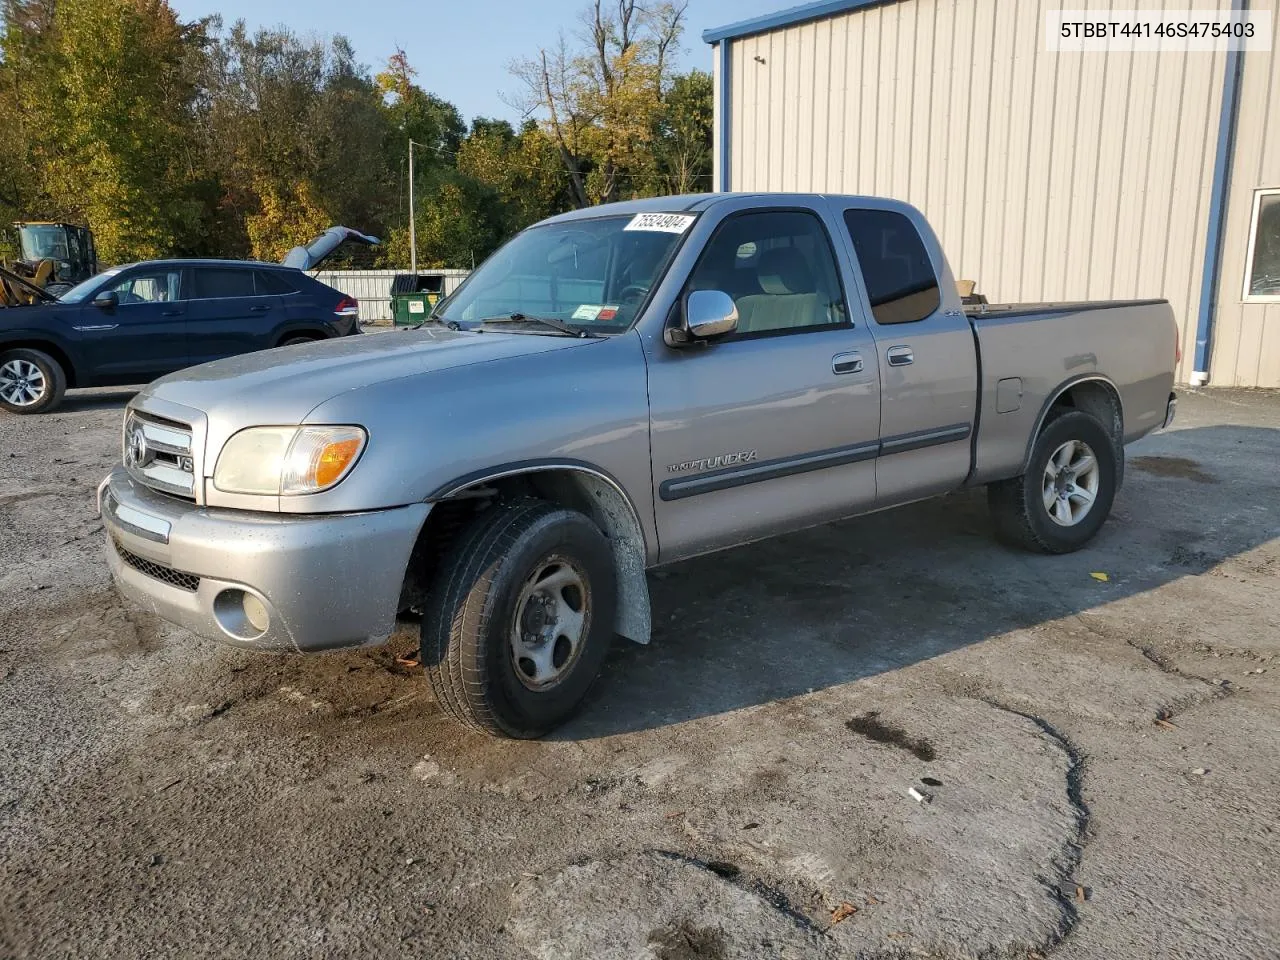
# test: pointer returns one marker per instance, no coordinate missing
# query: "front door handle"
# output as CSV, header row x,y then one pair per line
x,y
846,363
170,313
899,356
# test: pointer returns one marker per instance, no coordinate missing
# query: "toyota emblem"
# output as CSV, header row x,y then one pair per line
x,y
136,449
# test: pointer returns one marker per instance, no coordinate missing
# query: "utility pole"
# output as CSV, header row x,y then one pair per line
x,y
413,224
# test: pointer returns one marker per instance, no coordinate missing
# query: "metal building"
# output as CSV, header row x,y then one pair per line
x,y
1049,175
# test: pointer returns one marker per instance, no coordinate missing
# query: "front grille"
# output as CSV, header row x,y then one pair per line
x,y
158,453
158,571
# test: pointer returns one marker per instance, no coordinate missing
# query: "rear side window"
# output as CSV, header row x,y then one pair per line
x,y
901,283
212,283
270,284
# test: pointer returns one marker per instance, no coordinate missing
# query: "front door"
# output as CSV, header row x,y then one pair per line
x,y
928,360
143,336
777,425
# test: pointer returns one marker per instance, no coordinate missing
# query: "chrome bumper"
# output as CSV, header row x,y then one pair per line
x,y
259,580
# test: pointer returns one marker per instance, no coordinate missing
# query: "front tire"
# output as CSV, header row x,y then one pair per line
x,y
31,381
519,619
1065,496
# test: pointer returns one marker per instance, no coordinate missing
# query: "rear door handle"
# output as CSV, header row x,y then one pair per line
x,y
170,313
846,363
899,356
259,309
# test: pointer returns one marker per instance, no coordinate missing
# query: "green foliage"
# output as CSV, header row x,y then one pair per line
x,y
185,138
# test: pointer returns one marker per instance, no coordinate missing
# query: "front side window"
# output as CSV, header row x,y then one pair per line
x,y
1263,277
596,274
212,283
148,286
778,268
901,283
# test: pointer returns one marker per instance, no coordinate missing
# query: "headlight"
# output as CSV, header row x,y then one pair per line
x,y
287,461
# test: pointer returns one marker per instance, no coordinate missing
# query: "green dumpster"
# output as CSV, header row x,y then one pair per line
x,y
414,297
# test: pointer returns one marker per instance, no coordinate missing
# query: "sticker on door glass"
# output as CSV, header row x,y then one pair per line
x,y
662,222
415,306
595,311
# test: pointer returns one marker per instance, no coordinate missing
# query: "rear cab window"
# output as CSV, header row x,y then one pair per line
x,y
902,286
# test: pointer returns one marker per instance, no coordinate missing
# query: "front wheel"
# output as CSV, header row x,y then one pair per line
x,y
1065,496
520,618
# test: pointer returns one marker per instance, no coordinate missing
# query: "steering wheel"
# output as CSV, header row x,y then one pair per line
x,y
633,293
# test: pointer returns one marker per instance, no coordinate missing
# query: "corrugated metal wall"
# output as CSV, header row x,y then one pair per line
x,y
372,288
1049,176
1246,336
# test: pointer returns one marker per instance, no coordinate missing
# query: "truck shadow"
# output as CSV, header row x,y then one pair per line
x,y
105,398
863,597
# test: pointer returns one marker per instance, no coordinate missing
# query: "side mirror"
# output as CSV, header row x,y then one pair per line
x,y
106,300
707,314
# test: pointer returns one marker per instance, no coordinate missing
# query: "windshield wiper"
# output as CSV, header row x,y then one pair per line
x,y
551,323
451,324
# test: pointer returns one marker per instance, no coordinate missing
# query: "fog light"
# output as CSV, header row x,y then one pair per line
x,y
241,614
256,612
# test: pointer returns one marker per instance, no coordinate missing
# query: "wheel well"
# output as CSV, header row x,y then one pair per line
x,y
45,347
1099,398
580,490
299,335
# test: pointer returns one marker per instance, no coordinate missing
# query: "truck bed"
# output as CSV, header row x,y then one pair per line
x,y
1027,352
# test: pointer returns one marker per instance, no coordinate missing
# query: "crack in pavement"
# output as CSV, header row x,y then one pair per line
x,y
1075,796
753,885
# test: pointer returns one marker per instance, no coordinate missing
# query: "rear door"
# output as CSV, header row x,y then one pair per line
x,y
927,356
776,426
144,335
228,316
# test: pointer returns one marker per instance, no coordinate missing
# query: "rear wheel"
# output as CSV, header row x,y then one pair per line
x,y
31,381
1065,496
520,618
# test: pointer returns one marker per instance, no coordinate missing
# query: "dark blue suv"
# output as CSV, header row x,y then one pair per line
x,y
134,323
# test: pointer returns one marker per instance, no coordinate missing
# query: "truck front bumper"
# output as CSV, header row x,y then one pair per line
x,y
264,581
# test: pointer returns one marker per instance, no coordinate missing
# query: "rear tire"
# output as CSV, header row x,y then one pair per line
x,y
31,381
294,341
1065,496
519,619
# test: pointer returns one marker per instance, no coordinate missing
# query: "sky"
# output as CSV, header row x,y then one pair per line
x,y
461,50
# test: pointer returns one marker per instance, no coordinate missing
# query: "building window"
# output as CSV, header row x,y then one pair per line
x,y
1262,273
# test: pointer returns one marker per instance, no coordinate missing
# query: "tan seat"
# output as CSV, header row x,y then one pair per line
x,y
789,298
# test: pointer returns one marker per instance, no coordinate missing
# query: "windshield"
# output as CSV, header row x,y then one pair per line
x,y
44,242
81,291
593,274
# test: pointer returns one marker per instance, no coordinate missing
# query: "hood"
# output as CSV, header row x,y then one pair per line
x,y
282,386
319,249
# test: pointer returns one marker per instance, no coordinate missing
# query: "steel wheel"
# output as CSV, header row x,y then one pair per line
x,y
22,383
1070,483
551,620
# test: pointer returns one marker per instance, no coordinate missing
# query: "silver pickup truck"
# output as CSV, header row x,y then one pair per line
x,y
614,389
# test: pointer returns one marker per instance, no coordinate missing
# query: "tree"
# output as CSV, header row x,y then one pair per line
x,y
601,102
100,93
683,137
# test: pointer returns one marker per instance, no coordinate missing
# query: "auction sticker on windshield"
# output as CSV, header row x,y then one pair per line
x,y
662,222
593,311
